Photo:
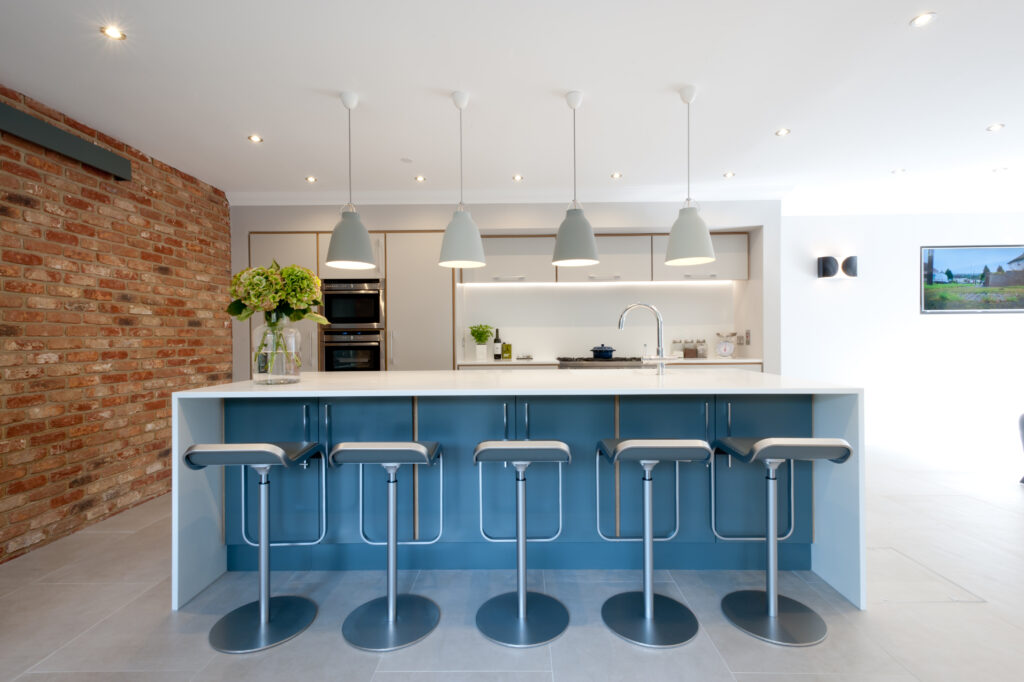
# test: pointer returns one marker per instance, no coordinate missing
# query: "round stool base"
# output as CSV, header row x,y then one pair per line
x,y
240,631
498,619
796,624
368,628
673,624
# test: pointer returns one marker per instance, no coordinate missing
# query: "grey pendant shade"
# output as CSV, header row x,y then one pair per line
x,y
689,242
575,244
350,247
461,246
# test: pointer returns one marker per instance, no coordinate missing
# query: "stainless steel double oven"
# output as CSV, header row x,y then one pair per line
x,y
353,338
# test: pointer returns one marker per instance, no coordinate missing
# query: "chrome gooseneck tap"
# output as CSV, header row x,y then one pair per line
x,y
661,330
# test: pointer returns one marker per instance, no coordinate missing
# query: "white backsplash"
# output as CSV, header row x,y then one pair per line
x,y
551,320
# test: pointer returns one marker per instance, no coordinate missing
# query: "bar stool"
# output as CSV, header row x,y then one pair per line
x,y
646,618
766,614
260,624
522,618
395,620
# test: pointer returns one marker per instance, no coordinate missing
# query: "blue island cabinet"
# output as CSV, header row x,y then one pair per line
x,y
458,424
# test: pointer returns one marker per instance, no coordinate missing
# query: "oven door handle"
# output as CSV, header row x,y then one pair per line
x,y
370,344
352,292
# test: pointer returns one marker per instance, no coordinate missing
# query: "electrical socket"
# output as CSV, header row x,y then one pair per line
x,y
747,335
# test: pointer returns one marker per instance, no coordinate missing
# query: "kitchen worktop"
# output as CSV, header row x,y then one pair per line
x,y
643,381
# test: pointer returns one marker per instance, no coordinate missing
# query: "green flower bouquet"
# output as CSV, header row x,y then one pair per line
x,y
283,294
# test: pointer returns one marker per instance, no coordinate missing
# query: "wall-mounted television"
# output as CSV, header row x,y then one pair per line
x,y
972,279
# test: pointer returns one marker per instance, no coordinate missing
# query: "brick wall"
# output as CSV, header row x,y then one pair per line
x,y
112,297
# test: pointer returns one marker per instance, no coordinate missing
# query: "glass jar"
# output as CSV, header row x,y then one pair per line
x,y
276,351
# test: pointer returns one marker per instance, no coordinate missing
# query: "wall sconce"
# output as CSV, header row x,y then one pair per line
x,y
829,266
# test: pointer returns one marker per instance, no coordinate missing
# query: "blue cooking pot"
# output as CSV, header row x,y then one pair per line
x,y
602,352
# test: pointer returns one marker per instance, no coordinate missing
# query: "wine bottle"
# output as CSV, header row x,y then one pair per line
x,y
497,344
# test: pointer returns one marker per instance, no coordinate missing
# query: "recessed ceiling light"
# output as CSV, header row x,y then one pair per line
x,y
255,139
405,159
310,179
420,178
1000,170
113,32
995,127
728,174
922,20
517,178
782,132
898,171
616,175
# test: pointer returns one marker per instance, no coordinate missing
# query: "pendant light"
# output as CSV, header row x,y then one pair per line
x,y
461,246
575,244
689,243
350,247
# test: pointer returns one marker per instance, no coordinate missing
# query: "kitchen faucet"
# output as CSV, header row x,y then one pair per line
x,y
661,330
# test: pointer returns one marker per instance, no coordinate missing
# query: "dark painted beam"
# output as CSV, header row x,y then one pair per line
x,y
53,138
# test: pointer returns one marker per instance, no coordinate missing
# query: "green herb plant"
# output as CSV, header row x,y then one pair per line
x,y
481,333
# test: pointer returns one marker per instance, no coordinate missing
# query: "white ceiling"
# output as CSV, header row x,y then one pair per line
x,y
862,92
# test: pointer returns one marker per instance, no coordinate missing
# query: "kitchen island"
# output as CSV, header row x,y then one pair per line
x,y
459,409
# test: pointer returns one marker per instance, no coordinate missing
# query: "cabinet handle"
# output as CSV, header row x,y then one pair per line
x,y
327,427
305,421
707,420
526,419
604,278
391,348
728,425
505,405
509,278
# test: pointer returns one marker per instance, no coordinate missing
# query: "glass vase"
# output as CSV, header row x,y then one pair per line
x,y
276,351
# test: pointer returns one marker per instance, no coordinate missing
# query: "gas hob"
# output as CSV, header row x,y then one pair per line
x,y
598,363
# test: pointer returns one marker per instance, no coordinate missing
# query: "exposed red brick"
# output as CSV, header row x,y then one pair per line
x,y
111,297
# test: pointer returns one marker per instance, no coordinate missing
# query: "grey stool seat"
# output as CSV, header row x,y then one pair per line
x,y
522,618
646,618
270,620
766,614
394,620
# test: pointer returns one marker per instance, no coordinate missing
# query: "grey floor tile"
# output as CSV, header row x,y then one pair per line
x,y
594,576
895,577
39,562
453,676
813,677
590,651
134,676
143,635
846,650
37,619
140,556
12,665
311,656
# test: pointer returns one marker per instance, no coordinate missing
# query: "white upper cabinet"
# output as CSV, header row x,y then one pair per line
x,y
513,259
325,271
623,259
419,303
730,260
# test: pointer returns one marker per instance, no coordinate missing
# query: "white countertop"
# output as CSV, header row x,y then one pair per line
x,y
498,364
538,382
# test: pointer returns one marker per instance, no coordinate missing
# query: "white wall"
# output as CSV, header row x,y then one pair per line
x,y
761,295
948,388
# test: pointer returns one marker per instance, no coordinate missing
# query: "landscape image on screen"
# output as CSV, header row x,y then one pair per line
x,y
972,279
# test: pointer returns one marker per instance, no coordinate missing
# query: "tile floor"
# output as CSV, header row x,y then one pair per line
x,y
945,586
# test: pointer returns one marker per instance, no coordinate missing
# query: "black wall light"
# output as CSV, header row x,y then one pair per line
x,y
829,266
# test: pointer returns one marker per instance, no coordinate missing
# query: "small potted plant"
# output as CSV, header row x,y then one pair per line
x,y
481,333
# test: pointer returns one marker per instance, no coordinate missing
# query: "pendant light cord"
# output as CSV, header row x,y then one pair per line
x,y
460,159
574,158
350,157
688,199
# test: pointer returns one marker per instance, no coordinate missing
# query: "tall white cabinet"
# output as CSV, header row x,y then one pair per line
x,y
418,304
288,249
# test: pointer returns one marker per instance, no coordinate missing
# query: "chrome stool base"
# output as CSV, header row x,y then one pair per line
x,y
368,627
240,631
796,624
673,624
498,619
